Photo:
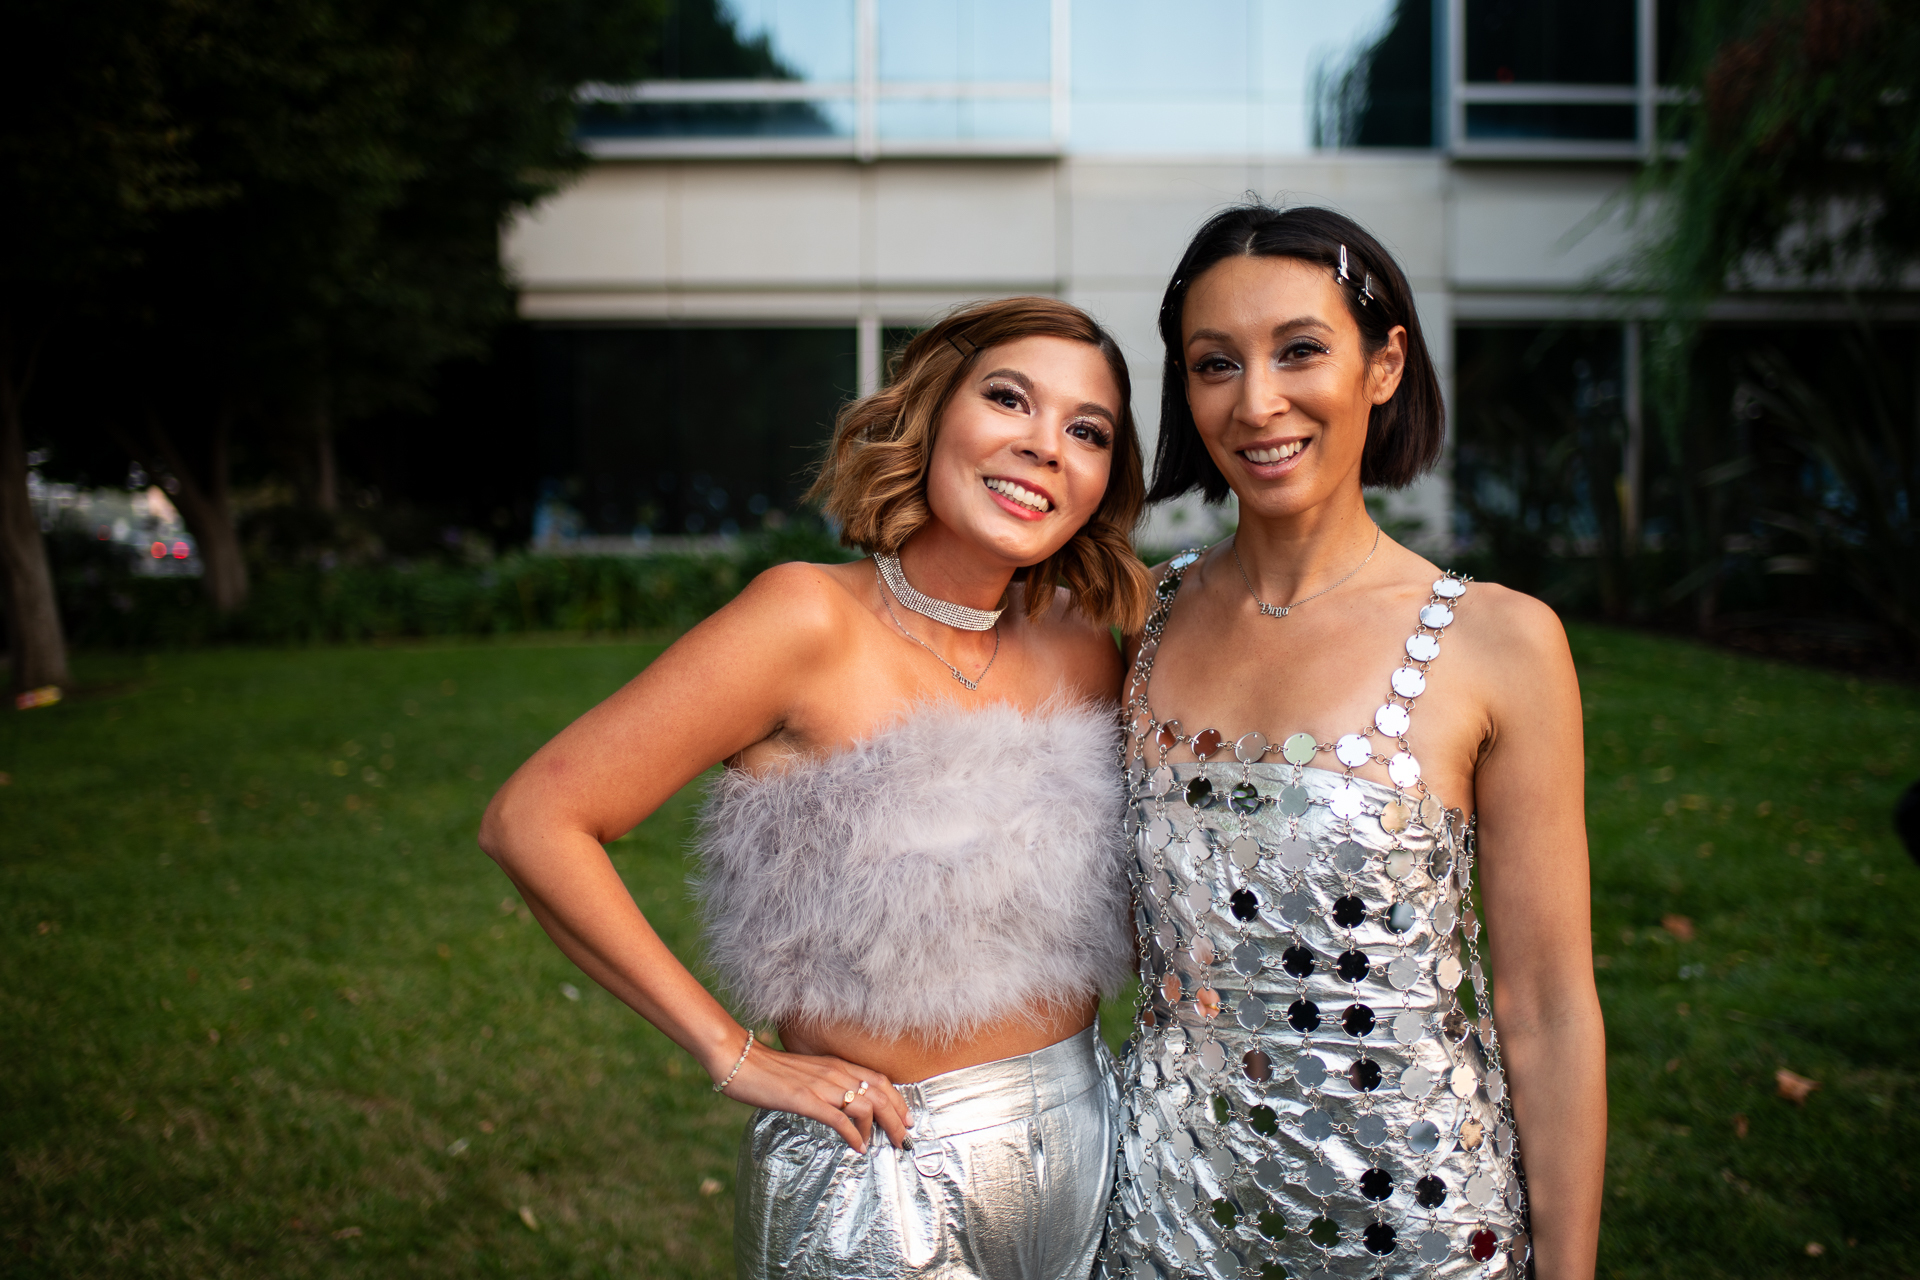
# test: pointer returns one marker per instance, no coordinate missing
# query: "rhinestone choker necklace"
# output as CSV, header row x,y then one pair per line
x,y
953,615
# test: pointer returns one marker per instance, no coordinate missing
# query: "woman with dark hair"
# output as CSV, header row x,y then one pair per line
x,y
912,859
1327,737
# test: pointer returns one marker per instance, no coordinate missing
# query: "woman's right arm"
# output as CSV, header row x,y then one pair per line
x,y
732,681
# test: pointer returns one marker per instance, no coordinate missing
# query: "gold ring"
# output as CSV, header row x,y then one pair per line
x,y
847,1098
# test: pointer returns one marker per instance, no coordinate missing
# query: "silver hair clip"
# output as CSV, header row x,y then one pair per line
x,y
959,341
1344,276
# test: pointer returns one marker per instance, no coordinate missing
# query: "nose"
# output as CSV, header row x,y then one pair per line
x,y
1041,445
1261,399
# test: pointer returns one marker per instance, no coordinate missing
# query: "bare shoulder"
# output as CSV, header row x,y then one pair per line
x,y
798,605
1514,635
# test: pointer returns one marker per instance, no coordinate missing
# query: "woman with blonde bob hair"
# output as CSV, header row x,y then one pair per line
x,y
912,866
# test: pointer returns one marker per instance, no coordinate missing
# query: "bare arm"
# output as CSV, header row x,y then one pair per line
x,y
730,682
1530,795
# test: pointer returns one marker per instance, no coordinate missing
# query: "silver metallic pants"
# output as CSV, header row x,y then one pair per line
x,y
1008,1179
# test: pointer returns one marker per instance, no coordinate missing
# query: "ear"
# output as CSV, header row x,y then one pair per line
x,y
1388,364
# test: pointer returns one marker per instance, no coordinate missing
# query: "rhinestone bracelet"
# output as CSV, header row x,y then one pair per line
x,y
721,1087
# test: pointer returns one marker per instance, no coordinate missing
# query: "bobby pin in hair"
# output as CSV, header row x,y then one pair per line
x,y
959,341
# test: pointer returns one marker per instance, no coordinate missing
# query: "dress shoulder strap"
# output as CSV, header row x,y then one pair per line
x,y
1164,593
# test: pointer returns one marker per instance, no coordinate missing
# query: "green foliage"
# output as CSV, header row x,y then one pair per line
x,y
104,606
277,847
1793,160
1801,150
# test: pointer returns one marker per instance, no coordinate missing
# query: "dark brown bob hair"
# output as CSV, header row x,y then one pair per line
x,y
874,478
1404,435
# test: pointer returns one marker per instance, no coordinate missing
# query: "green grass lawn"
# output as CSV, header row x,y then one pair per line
x,y
268,1011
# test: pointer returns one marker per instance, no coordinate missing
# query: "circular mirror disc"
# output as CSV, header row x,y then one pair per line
x,y
1246,852
1403,770
1449,588
1392,719
1400,863
1416,1081
1409,682
1423,647
1462,1080
1347,802
1435,615
1394,817
1353,750
1423,1136
1250,748
1299,749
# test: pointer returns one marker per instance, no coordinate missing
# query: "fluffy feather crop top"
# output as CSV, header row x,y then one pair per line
x,y
958,868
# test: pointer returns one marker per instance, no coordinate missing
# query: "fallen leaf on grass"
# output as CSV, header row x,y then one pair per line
x,y
1794,1088
1740,1126
1679,926
709,1186
347,1233
526,1216
1815,1248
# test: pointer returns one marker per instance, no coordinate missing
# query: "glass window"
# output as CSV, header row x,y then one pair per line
x,y
1576,121
955,41
1220,77
686,431
757,40
1550,41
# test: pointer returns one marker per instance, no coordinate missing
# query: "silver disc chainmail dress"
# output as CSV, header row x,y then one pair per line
x,y
1305,1094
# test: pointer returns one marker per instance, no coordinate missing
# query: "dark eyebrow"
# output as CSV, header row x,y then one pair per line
x,y
1298,322
1100,410
1013,375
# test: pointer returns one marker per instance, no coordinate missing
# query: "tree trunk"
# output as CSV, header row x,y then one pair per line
x,y
34,637
326,470
205,503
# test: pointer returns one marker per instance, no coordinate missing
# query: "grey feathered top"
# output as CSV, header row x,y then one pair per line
x,y
958,868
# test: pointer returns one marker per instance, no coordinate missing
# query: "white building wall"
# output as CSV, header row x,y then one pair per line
x,y
756,242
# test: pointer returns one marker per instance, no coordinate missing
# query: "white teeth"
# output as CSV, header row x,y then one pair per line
x,y
1019,493
1264,456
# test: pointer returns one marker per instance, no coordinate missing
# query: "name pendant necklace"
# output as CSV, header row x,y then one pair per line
x,y
1282,610
896,587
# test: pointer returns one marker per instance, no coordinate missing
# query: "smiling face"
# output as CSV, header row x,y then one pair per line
x,y
1024,447
1279,380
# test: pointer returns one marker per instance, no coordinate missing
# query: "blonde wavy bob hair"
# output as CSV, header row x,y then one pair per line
x,y
874,479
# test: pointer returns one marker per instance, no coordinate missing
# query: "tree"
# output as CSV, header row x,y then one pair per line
x,y
90,158
1794,160
374,152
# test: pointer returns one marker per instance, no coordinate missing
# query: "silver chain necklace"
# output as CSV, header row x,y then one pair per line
x,y
1282,610
953,615
971,685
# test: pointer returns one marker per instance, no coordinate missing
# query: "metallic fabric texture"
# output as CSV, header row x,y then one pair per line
x,y
1305,1094
1010,1172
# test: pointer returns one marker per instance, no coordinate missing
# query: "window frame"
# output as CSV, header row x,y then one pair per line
x,y
1644,95
866,91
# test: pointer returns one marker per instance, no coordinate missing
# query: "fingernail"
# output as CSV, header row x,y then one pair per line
x,y
906,1144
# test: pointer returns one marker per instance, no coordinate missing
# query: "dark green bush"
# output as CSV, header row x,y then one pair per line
x,y
106,606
